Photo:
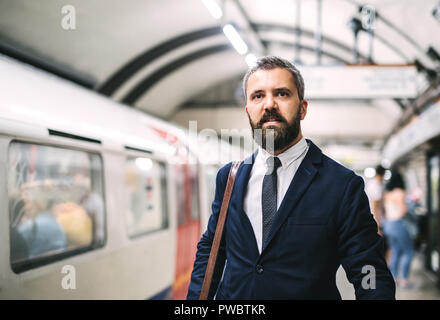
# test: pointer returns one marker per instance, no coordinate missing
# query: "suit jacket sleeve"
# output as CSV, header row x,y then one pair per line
x,y
360,248
204,245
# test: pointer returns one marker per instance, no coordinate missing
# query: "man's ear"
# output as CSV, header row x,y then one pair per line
x,y
304,105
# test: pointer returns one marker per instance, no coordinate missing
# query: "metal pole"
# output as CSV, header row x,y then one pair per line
x,y
298,31
318,33
370,49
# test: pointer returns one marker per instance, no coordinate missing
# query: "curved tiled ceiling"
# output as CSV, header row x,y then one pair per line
x,y
135,50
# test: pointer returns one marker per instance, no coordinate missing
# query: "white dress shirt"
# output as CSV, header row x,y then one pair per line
x,y
290,161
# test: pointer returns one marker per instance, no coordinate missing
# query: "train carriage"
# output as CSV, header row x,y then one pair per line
x,y
99,201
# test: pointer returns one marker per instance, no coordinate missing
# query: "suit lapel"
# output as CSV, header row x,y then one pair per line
x,y
300,182
242,179
241,185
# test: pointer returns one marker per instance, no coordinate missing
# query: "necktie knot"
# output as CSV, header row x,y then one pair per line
x,y
273,163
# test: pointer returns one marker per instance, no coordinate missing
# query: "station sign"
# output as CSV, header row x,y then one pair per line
x,y
360,82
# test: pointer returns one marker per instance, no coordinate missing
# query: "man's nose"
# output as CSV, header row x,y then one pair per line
x,y
269,102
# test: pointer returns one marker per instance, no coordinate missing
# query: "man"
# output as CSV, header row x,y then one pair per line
x,y
288,229
374,190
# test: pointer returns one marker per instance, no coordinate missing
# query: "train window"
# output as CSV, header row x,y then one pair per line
x,y
146,185
56,203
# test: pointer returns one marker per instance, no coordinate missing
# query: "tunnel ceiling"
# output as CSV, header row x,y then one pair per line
x,y
158,55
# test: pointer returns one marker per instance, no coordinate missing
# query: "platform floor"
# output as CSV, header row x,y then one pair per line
x,y
424,287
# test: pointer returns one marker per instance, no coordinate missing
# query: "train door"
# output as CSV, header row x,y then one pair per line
x,y
188,226
188,213
433,245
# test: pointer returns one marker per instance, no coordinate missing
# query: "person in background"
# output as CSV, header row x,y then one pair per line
x,y
76,223
94,206
375,189
38,227
396,231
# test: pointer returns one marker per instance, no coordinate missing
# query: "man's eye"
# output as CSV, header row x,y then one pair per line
x,y
283,94
257,96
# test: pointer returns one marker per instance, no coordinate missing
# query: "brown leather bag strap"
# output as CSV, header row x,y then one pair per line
x,y
219,231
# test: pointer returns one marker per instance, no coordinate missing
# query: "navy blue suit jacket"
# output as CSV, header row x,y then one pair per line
x,y
323,221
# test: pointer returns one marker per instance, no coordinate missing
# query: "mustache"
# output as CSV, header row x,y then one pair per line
x,y
271,115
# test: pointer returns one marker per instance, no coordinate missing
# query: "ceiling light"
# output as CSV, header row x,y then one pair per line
x,y
251,60
144,164
213,8
235,39
369,173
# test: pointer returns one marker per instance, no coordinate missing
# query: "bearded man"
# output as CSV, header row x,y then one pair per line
x,y
295,215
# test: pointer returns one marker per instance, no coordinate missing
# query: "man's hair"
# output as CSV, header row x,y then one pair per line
x,y
273,62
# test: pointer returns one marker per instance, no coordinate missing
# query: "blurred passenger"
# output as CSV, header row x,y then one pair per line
x,y
75,222
396,230
94,205
39,228
374,189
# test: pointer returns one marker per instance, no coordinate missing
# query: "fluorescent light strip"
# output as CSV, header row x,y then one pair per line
x,y
213,8
235,39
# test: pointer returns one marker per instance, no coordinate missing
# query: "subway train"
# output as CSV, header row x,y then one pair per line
x,y
414,149
98,200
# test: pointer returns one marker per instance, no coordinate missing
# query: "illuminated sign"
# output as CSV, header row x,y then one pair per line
x,y
359,82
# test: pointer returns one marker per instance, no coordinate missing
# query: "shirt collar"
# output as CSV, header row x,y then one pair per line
x,y
288,156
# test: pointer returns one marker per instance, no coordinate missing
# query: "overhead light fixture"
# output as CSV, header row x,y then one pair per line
x,y
436,12
235,39
431,74
144,164
387,175
369,173
213,8
385,163
355,25
251,60
433,54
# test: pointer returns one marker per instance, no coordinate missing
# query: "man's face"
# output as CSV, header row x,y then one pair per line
x,y
273,103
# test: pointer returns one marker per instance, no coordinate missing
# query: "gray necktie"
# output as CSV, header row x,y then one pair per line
x,y
269,195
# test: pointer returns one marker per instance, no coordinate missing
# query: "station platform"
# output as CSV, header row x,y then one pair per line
x,y
423,284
